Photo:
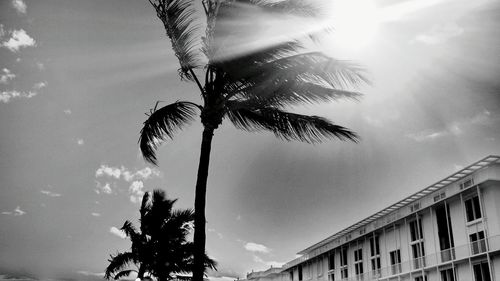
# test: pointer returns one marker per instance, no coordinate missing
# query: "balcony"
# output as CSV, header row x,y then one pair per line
x,y
448,255
461,252
478,247
418,263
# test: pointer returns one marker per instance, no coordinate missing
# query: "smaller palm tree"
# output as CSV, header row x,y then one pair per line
x,y
160,247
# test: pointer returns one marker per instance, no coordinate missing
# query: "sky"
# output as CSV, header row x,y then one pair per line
x,y
77,77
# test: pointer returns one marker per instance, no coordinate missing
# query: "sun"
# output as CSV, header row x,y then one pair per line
x,y
354,22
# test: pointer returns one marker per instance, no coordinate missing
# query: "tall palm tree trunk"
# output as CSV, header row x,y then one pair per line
x,y
199,205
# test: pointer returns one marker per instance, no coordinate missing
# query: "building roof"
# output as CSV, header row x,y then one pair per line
x,y
463,173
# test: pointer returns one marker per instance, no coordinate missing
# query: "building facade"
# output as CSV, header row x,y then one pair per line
x,y
449,231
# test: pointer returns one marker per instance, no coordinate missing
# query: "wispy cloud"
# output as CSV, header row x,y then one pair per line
x,y
115,231
439,34
88,273
6,76
67,111
40,85
40,66
20,6
95,214
220,235
16,212
50,193
255,247
453,129
19,39
2,31
80,142
267,263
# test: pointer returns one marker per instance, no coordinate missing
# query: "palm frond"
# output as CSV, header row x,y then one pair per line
x,y
289,126
129,229
178,19
162,124
293,93
118,262
124,273
313,66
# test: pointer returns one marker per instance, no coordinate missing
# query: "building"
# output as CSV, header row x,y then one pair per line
x,y
449,231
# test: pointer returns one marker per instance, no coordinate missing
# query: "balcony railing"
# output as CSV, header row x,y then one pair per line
x,y
448,255
460,252
478,246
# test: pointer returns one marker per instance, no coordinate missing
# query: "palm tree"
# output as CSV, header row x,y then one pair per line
x,y
252,90
159,248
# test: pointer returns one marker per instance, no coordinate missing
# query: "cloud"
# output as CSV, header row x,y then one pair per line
x,y
453,129
80,142
238,217
19,39
216,232
15,278
50,193
6,76
17,212
6,96
2,31
115,231
267,263
40,66
136,191
88,273
40,85
20,6
126,174
95,214
106,188
67,111
108,171
254,247
439,34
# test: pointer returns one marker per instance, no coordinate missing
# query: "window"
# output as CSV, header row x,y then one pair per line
x,y
291,275
319,267
375,254
343,263
416,232
395,261
417,243
477,242
376,265
448,275
473,208
418,255
466,183
374,246
331,266
482,271
421,278
300,272
358,261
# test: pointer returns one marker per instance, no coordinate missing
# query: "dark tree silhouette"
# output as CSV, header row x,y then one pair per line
x,y
251,89
160,247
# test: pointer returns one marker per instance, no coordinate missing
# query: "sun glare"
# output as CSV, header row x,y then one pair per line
x,y
354,22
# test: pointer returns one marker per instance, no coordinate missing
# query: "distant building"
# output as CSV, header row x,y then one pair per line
x,y
272,274
449,231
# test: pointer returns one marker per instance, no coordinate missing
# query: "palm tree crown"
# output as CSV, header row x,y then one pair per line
x,y
159,247
252,89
